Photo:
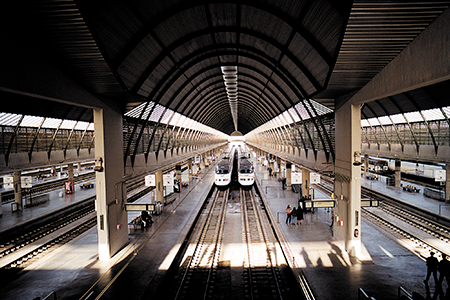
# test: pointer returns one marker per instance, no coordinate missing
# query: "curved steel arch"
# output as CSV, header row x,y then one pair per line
x,y
283,52
199,60
266,104
202,115
173,11
281,72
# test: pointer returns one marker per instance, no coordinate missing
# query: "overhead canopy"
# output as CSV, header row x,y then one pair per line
x,y
172,53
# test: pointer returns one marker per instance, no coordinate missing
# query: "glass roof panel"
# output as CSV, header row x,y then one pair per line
x,y
157,112
414,116
31,121
51,123
447,111
68,124
433,114
294,115
364,123
82,125
398,119
9,119
373,121
385,120
287,117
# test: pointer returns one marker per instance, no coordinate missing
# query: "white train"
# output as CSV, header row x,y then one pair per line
x,y
224,168
246,173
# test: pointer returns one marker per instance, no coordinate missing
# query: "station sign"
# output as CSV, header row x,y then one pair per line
x,y
296,178
150,180
314,178
440,175
8,182
25,182
139,206
369,203
168,179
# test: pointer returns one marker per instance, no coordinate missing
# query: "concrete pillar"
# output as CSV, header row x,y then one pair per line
x,y
79,168
288,176
111,192
70,172
17,189
190,169
398,174
447,182
1,208
178,172
366,165
347,185
53,171
305,182
159,187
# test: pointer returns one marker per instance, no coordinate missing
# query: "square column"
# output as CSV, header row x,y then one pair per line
x,y
447,183
305,178
159,187
347,185
111,193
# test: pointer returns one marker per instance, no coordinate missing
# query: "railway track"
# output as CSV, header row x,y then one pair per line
x,y
406,222
23,247
197,281
208,269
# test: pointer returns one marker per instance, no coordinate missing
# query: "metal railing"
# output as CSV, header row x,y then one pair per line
x,y
362,295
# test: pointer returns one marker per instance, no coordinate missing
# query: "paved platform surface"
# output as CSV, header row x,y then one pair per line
x,y
74,271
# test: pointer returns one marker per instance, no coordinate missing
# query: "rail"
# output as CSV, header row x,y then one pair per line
x,y
362,295
403,294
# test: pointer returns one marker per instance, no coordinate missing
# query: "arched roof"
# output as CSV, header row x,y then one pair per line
x,y
171,53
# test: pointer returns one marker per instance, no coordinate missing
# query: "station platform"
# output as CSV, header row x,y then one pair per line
x,y
74,271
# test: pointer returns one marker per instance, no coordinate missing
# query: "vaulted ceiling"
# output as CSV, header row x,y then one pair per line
x,y
171,52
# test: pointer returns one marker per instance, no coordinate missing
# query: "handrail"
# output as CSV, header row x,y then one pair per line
x,y
52,295
402,289
362,293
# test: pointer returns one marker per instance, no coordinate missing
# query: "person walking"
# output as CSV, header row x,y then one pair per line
x,y
444,269
294,215
288,214
432,266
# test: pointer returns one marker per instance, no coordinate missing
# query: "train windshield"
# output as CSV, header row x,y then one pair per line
x,y
246,169
222,170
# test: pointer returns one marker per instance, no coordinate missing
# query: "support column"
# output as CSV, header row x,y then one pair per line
x,y
447,182
347,185
398,174
79,168
366,165
110,189
190,169
159,187
178,172
17,189
305,182
288,176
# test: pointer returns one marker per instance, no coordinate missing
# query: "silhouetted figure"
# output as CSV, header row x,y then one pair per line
x,y
288,214
432,266
294,215
299,214
283,182
270,171
444,269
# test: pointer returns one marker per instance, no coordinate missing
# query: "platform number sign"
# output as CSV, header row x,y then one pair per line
x,y
314,178
25,182
440,175
168,179
150,180
8,182
296,178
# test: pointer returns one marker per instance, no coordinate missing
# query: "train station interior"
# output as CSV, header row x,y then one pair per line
x,y
117,107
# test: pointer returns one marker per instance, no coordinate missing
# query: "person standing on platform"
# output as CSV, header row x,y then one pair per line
x,y
444,269
270,171
299,214
432,266
294,215
288,214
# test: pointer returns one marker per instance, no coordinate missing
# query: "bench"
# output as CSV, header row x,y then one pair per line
x,y
87,185
411,189
135,222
